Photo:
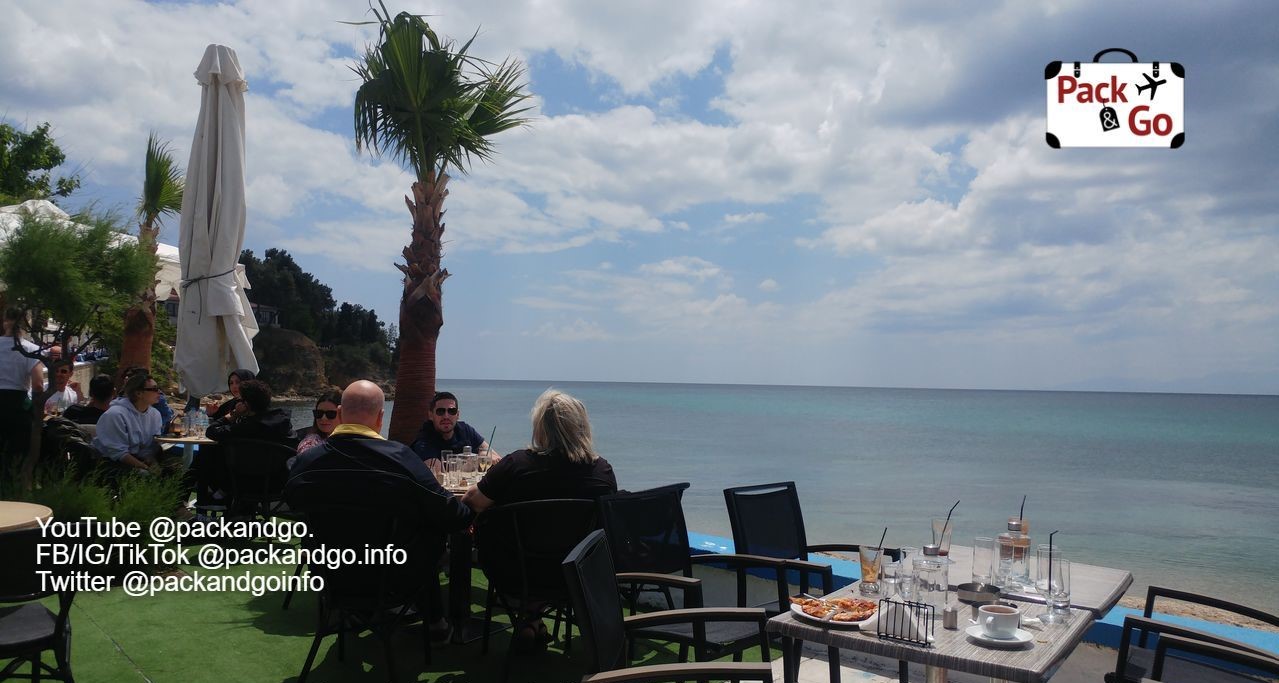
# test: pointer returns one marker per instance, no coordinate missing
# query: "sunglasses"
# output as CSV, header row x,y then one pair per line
x,y
330,414
150,388
442,411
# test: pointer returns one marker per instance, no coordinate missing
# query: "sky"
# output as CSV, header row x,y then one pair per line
x,y
806,193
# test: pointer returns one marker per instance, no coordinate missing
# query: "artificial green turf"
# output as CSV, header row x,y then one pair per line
x,y
215,637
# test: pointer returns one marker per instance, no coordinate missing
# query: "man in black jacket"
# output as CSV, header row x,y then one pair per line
x,y
357,443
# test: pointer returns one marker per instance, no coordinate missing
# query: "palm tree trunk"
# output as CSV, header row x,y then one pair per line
x,y
421,308
139,320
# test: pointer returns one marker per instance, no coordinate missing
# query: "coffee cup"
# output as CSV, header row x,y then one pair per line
x,y
999,621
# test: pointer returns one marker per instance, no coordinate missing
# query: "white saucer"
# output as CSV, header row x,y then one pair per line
x,y
1019,637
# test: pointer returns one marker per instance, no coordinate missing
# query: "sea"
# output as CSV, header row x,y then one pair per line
x,y
1180,489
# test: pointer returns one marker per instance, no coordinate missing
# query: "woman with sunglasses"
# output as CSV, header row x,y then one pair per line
x,y
326,418
127,430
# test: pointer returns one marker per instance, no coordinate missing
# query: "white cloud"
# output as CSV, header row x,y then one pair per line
x,y
768,285
577,331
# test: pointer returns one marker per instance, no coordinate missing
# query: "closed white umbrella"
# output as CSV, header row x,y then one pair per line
x,y
215,323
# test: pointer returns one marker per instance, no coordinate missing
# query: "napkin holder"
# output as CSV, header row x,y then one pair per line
x,y
905,622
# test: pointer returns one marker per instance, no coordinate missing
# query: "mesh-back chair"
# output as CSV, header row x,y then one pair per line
x,y
356,509
520,548
767,520
648,537
27,627
1137,660
1254,664
597,607
258,472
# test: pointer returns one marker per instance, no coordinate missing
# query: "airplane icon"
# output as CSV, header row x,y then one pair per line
x,y
1151,84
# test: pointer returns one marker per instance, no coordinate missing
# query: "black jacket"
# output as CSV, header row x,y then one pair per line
x,y
273,425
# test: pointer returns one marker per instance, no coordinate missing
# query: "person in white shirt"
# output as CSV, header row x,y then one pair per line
x,y
20,375
64,395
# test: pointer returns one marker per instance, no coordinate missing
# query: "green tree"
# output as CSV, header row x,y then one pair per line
x,y
22,158
277,280
162,186
73,278
432,107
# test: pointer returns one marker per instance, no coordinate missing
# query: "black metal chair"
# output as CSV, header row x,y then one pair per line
x,y
355,509
258,473
648,537
27,627
1267,667
520,548
1137,660
597,606
767,520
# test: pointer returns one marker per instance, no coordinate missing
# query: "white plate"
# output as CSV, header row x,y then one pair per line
x,y
799,613
1019,637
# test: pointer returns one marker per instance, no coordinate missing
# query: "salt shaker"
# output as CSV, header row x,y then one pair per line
x,y
950,618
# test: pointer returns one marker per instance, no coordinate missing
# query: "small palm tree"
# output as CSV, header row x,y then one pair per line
x,y
431,107
161,195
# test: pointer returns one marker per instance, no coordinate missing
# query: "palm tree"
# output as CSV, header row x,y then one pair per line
x,y
430,107
161,195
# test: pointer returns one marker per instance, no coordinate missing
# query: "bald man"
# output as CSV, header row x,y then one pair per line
x,y
357,442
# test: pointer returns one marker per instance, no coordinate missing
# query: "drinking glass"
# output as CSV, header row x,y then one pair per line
x,y
869,556
890,574
942,531
906,583
1052,580
983,559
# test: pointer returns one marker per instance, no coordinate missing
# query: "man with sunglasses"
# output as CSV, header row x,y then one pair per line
x,y
443,431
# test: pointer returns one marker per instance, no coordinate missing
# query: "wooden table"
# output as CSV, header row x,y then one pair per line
x,y
15,515
1094,590
188,445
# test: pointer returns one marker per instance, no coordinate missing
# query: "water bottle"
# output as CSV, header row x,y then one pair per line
x,y
201,422
1013,570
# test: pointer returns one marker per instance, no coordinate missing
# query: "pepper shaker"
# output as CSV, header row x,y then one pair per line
x,y
950,618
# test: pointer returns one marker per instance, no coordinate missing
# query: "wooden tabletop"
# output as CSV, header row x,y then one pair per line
x,y
1034,662
15,515
1093,588
198,440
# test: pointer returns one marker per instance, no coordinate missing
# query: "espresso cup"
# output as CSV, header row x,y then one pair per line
x,y
999,621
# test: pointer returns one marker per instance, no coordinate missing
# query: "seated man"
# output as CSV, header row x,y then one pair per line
x,y
64,392
101,391
357,443
127,430
443,431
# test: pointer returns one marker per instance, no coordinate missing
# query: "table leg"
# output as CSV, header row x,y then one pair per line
x,y
934,674
790,660
188,455
832,656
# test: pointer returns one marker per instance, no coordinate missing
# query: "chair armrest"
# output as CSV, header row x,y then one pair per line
x,y
1268,664
739,561
692,587
701,671
1165,629
695,615
894,553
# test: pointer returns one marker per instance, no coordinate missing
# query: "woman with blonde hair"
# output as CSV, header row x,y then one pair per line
x,y
561,462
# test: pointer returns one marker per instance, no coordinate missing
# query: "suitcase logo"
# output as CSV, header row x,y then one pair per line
x,y
1115,104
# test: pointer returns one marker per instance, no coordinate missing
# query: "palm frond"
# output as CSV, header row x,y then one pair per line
x,y
162,183
429,104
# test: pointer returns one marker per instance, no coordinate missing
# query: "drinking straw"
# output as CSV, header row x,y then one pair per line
x,y
881,541
947,523
1050,562
490,441
1021,514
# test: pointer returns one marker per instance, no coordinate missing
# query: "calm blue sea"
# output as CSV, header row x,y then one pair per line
x,y
1180,489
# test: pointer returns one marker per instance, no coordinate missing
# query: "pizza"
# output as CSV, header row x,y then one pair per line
x,y
836,609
